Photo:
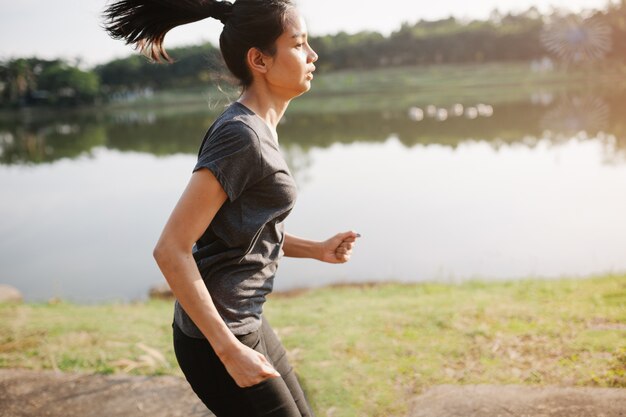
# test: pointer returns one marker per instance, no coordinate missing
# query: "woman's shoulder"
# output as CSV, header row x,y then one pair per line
x,y
231,132
238,124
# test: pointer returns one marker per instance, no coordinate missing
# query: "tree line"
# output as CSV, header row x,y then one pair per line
x,y
525,36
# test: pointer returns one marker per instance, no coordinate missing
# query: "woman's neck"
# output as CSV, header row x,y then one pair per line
x,y
267,107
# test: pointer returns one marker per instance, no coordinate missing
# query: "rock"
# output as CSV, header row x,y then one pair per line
x,y
28,393
161,292
516,400
10,294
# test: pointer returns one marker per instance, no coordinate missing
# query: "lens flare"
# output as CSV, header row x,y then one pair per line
x,y
573,115
574,39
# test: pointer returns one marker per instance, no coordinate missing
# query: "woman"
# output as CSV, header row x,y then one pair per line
x,y
220,247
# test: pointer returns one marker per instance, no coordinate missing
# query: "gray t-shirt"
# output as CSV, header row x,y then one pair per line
x,y
238,253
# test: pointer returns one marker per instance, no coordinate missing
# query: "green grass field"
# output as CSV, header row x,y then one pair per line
x,y
399,87
364,350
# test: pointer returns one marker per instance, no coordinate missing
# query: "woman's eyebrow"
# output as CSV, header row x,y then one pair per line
x,y
297,35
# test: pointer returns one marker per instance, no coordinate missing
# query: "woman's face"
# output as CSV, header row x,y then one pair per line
x,y
290,69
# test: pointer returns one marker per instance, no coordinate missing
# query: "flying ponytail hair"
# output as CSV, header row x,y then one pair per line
x,y
247,24
144,23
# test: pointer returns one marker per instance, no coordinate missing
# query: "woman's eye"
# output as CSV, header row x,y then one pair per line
x,y
299,45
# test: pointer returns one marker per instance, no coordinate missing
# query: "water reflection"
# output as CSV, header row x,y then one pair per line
x,y
40,143
441,114
574,114
46,139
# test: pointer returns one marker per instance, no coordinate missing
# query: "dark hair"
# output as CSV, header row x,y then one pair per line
x,y
247,24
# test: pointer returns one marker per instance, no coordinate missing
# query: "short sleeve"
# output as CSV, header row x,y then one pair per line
x,y
232,153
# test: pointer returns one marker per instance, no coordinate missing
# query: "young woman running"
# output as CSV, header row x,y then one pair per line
x,y
220,247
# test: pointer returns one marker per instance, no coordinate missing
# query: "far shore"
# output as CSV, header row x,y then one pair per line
x,y
349,90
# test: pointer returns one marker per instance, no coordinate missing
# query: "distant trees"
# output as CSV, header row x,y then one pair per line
x,y
361,50
510,37
193,65
434,42
18,81
66,83
33,81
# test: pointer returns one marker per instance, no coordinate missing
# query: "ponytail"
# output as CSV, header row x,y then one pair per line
x,y
144,23
247,24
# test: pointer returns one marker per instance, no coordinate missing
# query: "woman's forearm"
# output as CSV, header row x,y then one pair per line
x,y
296,247
180,270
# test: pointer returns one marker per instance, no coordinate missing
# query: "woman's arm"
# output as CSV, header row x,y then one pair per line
x,y
337,249
297,247
195,210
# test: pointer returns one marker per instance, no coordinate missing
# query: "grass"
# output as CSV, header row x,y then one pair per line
x,y
398,87
446,84
364,350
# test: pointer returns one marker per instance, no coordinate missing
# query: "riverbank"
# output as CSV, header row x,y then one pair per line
x,y
344,341
392,88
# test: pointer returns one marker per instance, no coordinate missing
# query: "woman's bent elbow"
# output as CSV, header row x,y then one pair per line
x,y
168,253
158,253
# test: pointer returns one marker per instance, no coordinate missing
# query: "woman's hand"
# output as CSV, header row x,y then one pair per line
x,y
338,248
247,366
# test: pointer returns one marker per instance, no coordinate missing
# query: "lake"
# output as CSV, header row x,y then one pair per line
x,y
490,190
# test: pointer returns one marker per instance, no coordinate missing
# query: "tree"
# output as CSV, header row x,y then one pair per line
x,y
69,85
33,81
19,81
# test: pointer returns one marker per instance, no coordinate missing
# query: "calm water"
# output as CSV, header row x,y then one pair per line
x,y
532,188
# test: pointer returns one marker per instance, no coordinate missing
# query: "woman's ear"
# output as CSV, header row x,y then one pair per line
x,y
257,60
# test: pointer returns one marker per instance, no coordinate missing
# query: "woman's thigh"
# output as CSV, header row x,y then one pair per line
x,y
276,354
218,391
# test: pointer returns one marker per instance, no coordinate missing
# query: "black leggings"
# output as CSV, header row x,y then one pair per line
x,y
273,397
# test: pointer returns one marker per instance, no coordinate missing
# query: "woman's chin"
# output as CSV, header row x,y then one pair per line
x,y
305,87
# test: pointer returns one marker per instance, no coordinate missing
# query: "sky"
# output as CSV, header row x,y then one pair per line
x,y
70,29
